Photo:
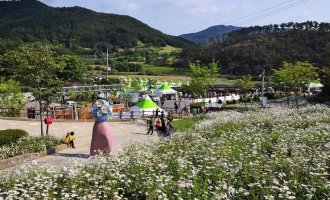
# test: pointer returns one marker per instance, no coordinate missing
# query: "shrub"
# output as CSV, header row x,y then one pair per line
x,y
256,98
97,67
11,135
28,145
220,101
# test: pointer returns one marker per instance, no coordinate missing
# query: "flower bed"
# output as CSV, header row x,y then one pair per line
x,y
276,153
26,145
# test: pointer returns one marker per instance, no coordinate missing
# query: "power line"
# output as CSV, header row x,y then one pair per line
x,y
282,6
261,11
274,11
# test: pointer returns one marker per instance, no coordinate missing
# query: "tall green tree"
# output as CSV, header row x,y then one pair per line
x,y
295,76
202,77
72,70
36,68
325,73
245,83
11,97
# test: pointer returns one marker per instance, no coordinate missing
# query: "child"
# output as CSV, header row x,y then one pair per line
x,y
71,138
67,139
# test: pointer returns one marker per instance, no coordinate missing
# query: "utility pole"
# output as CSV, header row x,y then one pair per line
x,y
107,63
262,88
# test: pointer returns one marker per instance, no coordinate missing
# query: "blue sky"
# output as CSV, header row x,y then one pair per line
x,y
177,17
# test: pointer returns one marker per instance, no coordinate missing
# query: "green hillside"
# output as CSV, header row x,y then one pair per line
x,y
210,34
249,50
76,27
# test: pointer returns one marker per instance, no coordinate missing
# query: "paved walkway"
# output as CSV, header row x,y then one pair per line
x,y
124,134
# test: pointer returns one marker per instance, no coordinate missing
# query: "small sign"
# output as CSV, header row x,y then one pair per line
x,y
263,101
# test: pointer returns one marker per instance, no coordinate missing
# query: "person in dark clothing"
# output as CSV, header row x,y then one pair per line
x,y
162,114
162,119
176,107
156,114
150,124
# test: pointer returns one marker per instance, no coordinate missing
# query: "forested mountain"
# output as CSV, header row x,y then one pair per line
x,y
30,20
209,34
248,50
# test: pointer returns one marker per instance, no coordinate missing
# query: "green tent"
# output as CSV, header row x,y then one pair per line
x,y
164,89
145,105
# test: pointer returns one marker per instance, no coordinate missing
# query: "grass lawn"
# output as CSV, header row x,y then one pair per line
x,y
185,123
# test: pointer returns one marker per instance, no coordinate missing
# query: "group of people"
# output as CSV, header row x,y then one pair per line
x,y
160,123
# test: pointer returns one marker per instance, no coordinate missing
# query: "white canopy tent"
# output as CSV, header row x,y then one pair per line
x,y
165,89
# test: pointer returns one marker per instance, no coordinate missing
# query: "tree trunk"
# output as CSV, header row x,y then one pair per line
x,y
47,127
41,121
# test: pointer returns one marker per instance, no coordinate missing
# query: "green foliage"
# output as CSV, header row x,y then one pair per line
x,y
186,123
76,27
250,49
35,66
202,77
39,61
11,135
325,74
81,97
135,84
245,83
156,70
26,145
295,76
11,98
72,70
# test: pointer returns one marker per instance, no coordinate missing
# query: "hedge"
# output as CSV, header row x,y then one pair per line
x,y
11,135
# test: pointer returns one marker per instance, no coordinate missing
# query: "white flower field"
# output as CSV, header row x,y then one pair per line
x,y
275,153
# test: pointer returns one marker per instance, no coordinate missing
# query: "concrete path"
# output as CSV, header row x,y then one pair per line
x,y
124,134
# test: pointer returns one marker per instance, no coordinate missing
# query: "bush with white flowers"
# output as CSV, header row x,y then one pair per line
x,y
276,153
28,145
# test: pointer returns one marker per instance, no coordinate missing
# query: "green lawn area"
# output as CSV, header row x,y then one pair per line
x,y
185,123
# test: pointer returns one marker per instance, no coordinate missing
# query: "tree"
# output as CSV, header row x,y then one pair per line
x,y
245,83
325,73
295,76
72,69
11,97
135,85
36,68
202,77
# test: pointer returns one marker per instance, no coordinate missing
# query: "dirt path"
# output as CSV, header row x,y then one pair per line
x,y
124,134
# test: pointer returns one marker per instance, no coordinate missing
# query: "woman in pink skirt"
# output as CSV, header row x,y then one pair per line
x,y
102,138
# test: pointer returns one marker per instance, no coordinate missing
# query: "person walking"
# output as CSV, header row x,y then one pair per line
x,y
194,112
176,107
157,112
150,124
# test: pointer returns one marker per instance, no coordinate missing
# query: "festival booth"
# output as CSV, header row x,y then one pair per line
x,y
145,107
167,91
